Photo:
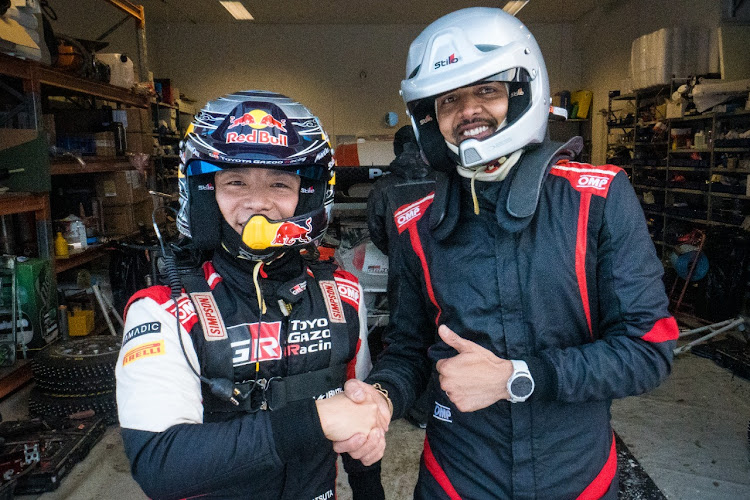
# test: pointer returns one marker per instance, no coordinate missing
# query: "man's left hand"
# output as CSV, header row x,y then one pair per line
x,y
475,378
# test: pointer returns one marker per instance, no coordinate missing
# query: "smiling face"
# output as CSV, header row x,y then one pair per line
x,y
244,192
472,112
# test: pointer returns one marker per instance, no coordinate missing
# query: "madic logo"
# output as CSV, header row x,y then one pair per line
x,y
451,59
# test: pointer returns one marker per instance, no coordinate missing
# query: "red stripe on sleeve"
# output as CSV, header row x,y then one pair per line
x,y
438,473
581,234
663,330
599,486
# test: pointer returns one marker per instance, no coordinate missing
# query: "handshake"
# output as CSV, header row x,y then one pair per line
x,y
356,421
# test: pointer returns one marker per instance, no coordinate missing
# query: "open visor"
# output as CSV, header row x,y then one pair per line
x,y
312,172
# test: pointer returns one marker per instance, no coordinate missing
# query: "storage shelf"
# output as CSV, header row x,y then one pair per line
x,y
650,188
687,219
687,191
731,195
77,259
56,79
94,164
15,202
690,150
728,171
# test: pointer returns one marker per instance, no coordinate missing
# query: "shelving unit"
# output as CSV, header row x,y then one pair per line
x,y
686,176
563,130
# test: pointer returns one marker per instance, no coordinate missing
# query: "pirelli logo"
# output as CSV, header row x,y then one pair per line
x,y
143,351
333,301
208,311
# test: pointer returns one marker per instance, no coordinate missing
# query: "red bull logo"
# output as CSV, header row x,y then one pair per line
x,y
290,233
257,119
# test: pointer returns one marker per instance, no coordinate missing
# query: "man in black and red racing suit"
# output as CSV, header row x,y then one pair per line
x,y
522,265
229,381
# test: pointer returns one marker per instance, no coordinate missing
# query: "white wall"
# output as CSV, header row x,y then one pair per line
x,y
348,75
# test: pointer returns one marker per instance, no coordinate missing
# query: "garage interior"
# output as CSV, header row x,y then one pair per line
x,y
658,88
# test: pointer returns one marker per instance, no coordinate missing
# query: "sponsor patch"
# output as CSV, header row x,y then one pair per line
x,y
409,214
442,413
325,496
268,344
143,351
349,292
586,178
142,329
187,311
298,288
213,325
332,301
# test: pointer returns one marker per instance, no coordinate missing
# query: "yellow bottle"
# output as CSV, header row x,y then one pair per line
x,y
61,245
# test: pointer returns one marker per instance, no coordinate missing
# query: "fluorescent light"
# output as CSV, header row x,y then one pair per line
x,y
513,7
237,10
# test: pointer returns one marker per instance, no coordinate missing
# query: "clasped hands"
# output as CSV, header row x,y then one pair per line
x,y
357,420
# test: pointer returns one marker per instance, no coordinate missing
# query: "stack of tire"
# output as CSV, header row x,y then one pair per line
x,y
75,376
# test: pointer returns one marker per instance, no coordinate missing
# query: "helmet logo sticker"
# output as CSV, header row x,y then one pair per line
x,y
518,93
426,119
451,59
258,120
206,187
290,233
308,190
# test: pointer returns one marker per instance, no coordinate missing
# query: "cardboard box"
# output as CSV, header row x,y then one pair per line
x,y
37,294
126,219
119,220
138,120
139,142
121,188
105,143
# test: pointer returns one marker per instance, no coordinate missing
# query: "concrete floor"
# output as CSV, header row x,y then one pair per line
x,y
690,435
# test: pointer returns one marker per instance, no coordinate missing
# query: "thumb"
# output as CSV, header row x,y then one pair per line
x,y
354,390
452,339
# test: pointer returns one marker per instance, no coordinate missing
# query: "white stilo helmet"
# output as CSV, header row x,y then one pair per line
x,y
466,47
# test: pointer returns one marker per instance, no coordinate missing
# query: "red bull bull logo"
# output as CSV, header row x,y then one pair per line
x,y
257,119
290,233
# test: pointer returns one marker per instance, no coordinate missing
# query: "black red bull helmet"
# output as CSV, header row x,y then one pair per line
x,y
264,130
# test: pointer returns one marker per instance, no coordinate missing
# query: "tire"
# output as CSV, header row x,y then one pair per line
x,y
81,359
41,404
81,387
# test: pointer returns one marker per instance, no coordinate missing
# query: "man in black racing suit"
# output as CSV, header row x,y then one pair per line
x,y
537,272
231,386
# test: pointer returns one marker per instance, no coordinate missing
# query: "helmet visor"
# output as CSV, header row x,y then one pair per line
x,y
311,172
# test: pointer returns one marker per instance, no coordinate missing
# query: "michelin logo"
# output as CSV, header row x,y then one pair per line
x,y
143,329
442,413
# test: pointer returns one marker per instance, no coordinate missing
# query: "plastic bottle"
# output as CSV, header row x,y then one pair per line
x,y
61,245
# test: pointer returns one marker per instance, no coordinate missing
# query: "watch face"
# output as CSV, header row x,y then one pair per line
x,y
521,386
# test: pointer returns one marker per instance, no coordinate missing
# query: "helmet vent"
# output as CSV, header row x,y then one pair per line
x,y
471,156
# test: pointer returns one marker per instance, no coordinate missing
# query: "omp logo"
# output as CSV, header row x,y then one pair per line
x,y
349,293
325,496
442,413
593,181
451,59
332,301
213,325
143,329
268,344
143,351
412,212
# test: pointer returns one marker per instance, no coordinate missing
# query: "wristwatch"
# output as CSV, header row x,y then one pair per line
x,y
520,383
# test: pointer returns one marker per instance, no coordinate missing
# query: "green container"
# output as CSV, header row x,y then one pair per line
x,y
37,294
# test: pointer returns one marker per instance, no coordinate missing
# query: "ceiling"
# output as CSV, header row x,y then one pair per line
x,y
354,11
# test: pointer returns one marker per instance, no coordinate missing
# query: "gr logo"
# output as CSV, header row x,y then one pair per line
x,y
593,181
268,344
